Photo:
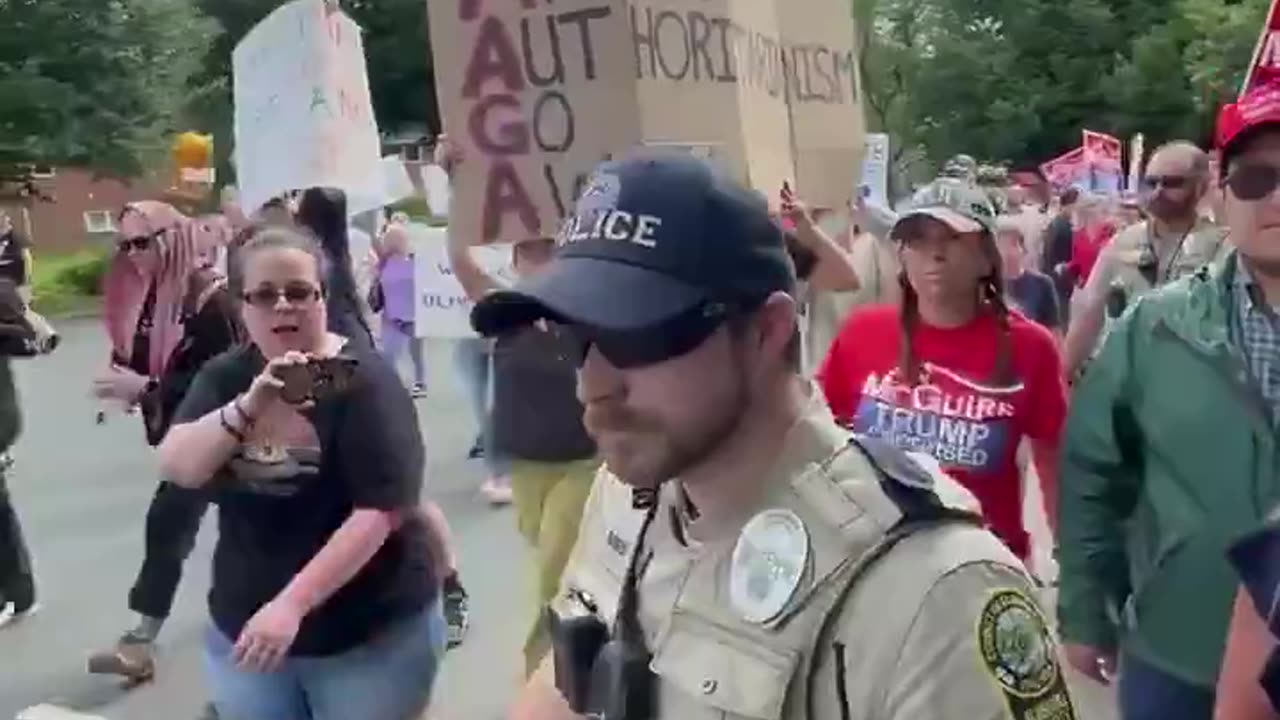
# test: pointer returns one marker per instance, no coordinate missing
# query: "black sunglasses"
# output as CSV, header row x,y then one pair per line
x,y
297,293
1168,182
139,243
628,349
1253,182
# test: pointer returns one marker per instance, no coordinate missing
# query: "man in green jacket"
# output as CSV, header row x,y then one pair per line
x,y
1172,452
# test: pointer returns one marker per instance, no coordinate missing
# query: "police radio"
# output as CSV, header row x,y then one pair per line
x,y
606,675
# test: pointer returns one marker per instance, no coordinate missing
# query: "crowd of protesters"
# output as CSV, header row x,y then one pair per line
x,y
1119,351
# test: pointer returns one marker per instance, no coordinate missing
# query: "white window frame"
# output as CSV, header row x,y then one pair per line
x,y
99,222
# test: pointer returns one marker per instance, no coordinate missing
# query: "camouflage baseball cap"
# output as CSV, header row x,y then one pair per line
x,y
963,167
961,206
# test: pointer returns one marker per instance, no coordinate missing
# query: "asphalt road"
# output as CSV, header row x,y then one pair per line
x,y
82,490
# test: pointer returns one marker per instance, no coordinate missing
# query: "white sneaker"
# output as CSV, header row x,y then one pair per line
x,y
9,617
497,491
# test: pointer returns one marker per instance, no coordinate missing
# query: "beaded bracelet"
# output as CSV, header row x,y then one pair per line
x,y
248,421
222,418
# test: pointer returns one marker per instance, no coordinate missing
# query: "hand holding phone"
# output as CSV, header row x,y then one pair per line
x,y
316,379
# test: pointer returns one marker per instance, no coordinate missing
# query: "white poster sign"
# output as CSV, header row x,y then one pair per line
x,y
875,169
303,114
443,309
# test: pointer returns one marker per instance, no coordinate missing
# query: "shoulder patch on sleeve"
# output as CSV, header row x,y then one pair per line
x,y
1017,648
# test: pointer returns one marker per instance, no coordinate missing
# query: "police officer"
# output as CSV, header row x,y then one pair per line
x,y
741,556
1173,242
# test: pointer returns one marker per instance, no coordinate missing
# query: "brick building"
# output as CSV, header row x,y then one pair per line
x,y
83,210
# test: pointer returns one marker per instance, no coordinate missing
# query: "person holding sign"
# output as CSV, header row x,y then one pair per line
x,y
536,425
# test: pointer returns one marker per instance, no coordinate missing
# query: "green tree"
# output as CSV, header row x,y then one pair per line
x,y
93,84
1017,80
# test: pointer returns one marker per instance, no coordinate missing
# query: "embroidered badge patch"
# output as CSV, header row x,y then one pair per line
x,y
768,562
1019,651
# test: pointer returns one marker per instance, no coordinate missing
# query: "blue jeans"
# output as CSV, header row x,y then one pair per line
x,y
388,678
1147,693
475,364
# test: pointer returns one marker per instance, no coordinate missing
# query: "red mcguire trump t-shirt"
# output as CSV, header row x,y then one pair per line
x,y
953,412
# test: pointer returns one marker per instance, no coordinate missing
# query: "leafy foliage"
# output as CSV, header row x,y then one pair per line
x,y
1017,80
96,84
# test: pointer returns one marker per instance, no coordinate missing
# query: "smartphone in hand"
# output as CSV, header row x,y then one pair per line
x,y
318,379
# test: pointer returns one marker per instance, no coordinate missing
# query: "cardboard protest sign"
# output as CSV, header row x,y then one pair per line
x,y
536,95
1265,66
443,310
303,115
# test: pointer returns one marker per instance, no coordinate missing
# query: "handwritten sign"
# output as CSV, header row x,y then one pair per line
x,y
443,309
303,114
537,94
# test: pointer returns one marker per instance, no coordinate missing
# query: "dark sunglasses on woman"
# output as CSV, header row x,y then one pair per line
x,y
298,293
139,243
1252,182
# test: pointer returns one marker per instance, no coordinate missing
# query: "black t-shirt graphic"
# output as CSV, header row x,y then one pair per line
x,y
278,509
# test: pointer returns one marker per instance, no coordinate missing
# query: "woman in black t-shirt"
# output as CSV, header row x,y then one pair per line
x,y
323,602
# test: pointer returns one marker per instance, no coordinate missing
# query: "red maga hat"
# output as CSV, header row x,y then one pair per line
x,y
1258,108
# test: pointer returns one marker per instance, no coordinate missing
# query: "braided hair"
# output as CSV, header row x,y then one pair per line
x,y
990,291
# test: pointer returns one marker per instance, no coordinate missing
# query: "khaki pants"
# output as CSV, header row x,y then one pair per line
x,y
548,500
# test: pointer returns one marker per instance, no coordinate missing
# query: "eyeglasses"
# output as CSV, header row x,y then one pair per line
x,y
298,293
1253,182
629,349
1168,182
139,243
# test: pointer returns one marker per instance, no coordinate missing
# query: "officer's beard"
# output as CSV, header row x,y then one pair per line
x,y
662,453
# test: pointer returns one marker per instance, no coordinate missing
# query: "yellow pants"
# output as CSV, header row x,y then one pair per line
x,y
548,500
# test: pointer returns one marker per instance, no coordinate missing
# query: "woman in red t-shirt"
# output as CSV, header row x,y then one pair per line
x,y
952,372
1095,233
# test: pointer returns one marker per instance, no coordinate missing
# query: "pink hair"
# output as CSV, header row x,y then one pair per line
x,y
183,248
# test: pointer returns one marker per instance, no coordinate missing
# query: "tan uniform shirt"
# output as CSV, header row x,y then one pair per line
x,y
744,623
1119,261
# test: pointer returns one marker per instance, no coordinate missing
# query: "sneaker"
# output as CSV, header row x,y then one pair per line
x,y
132,658
418,390
455,611
497,491
477,449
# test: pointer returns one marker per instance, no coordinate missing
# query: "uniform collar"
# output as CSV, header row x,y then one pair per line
x,y
814,437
